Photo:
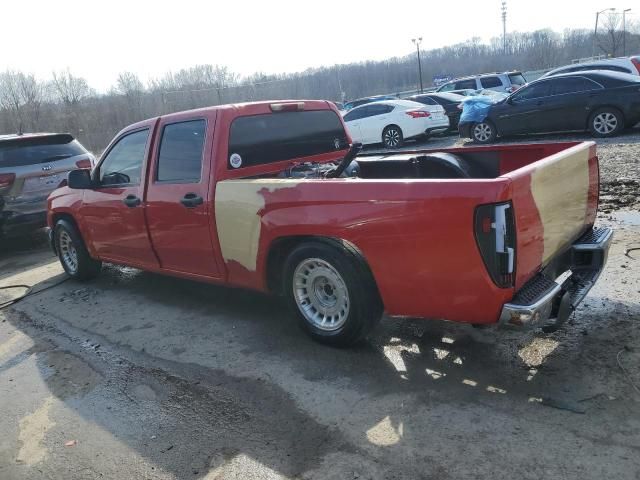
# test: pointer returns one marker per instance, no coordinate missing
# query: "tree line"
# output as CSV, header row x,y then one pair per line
x,y
67,103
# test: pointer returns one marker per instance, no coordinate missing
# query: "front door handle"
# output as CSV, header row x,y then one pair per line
x,y
191,200
132,201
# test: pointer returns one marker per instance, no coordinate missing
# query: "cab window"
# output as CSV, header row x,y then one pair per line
x,y
123,163
180,157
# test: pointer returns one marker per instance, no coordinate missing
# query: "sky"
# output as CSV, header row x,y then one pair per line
x,y
99,39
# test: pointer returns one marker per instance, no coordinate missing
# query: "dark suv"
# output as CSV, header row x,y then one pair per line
x,y
32,165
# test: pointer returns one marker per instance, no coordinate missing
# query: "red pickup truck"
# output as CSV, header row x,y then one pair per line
x,y
271,196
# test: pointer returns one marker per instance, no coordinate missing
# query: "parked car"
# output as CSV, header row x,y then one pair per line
x,y
500,82
391,122
599,101
32,165
451,102
622,64
270,196
362,101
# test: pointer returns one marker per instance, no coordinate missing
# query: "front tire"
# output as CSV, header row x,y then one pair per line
x,y
605,122
392,137
73,253
483,132
332,293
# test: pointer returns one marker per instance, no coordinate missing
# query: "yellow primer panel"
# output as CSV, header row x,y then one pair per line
x,y
238,204
560,190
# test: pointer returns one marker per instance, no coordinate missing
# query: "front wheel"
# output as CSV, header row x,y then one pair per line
x,y
483,132
605,122
392,137
73,254
332,293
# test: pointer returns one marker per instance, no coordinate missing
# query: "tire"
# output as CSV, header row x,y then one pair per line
x,y
483,132
606,122
72,252
331,291
392,137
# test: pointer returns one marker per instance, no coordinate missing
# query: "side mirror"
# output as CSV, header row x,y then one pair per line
x,y
80,179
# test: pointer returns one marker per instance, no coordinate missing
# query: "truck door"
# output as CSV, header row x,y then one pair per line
x,y
179,213
112,212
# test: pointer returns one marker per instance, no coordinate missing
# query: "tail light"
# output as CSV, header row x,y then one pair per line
x,y
636,63
418,114
7,179
85,163
496,238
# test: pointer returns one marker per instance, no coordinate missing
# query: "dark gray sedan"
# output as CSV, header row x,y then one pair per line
x,y
598,101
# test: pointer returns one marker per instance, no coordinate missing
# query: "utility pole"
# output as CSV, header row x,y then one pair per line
x,y
595,32
417,42
504,28
624,32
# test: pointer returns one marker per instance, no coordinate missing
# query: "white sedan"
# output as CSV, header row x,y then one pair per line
x,y
391,122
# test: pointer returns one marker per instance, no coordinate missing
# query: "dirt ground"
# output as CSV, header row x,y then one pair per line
x,y
140,376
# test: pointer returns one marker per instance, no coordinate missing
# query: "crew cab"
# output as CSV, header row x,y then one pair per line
x,y
272,196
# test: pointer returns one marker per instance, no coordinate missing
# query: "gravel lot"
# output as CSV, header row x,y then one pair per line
x,y
136,375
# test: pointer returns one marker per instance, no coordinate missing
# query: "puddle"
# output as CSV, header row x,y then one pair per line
x,y
628,217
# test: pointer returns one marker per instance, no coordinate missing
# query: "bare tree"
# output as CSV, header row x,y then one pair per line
x,y
67,103
69,88
609,35
21,94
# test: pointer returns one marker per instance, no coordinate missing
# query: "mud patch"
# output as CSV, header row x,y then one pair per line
x,y
70,376
619,194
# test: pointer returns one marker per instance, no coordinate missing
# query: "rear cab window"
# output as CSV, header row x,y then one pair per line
x,y
268,138
32,151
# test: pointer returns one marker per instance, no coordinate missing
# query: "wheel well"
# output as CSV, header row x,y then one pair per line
x,y
611,107
64,216
391,125
281,248
485,120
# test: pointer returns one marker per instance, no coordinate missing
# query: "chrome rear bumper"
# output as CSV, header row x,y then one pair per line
x,y
551,296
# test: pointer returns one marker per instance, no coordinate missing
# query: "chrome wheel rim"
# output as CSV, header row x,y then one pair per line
x,y
68,252
605,123
321,294
391,137
482,132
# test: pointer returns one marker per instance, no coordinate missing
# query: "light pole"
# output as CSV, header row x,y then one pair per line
x,y
624,32
417,42
595,32
504,28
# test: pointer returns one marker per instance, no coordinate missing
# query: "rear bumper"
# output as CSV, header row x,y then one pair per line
x,y
551,296
13,223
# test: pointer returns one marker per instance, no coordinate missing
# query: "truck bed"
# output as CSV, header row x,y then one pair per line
x,y
417,234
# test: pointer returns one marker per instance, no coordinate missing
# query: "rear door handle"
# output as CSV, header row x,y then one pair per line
x,y
191,200
131,201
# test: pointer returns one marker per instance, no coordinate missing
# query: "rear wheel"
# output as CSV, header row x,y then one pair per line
x,y
483,132
332,293
392,137
72,252
605,122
